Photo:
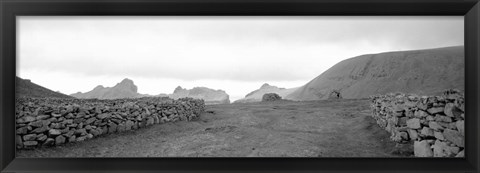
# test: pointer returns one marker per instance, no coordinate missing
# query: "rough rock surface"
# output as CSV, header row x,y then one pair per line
x,y
436,134
73,120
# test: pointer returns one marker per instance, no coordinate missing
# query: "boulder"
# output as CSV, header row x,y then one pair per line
x,y
461,127
422,149
54,132
59,140
452,111
438,135
269,97
455,137
30,144
413,123
30,137
441,149
427,132
49,142
434,125
435,110
413,134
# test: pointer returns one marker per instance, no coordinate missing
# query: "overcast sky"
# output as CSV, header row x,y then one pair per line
x,y
235,54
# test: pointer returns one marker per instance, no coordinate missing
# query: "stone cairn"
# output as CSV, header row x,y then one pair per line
x,y
269,97
52,122
435,124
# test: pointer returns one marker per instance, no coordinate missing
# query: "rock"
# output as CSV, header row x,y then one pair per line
x,y
30,137
59,140
41,137
452,111
112,128
413,123
22,130
43,117
81,138
49,142
103,116
461,154
89,136
422,149
435,110
420,114
455,137
56,115
434,125
69,133
36,124
80,132
95,132
29,119
72,138
128,125
54,132
413,134
40,129
156,119
30,144
427,132
150,121
461,127
430,118
18,141
442,118
438,135
441,149
90,120
121,127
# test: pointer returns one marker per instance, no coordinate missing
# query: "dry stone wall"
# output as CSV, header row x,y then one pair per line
x,y
51,122
435,124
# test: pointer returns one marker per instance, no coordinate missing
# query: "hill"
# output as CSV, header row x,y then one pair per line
x,y
26,88
125,89
423,72
256,96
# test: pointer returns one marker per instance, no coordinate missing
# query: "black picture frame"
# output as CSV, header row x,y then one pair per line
x,y
470,9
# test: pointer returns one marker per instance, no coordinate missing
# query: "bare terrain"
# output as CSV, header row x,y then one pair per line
x,y
329,128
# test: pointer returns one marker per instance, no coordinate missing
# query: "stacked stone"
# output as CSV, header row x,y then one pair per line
x,y
268,97
434,123
51,122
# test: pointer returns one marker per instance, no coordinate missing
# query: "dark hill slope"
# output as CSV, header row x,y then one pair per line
x,y
26,88
423,72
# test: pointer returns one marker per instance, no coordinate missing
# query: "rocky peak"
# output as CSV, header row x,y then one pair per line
x,y
178,89
265,85
98,87
127,84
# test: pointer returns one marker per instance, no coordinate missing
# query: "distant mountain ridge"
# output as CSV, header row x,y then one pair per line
x,y
127,89
210,96
26,88
256,96
423,72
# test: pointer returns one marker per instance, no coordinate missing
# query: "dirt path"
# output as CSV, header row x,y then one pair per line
x,y
295,129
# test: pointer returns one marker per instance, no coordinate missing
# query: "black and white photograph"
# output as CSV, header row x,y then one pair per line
x,y
240,86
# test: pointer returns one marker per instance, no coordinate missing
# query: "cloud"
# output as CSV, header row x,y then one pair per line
x,y
219,48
